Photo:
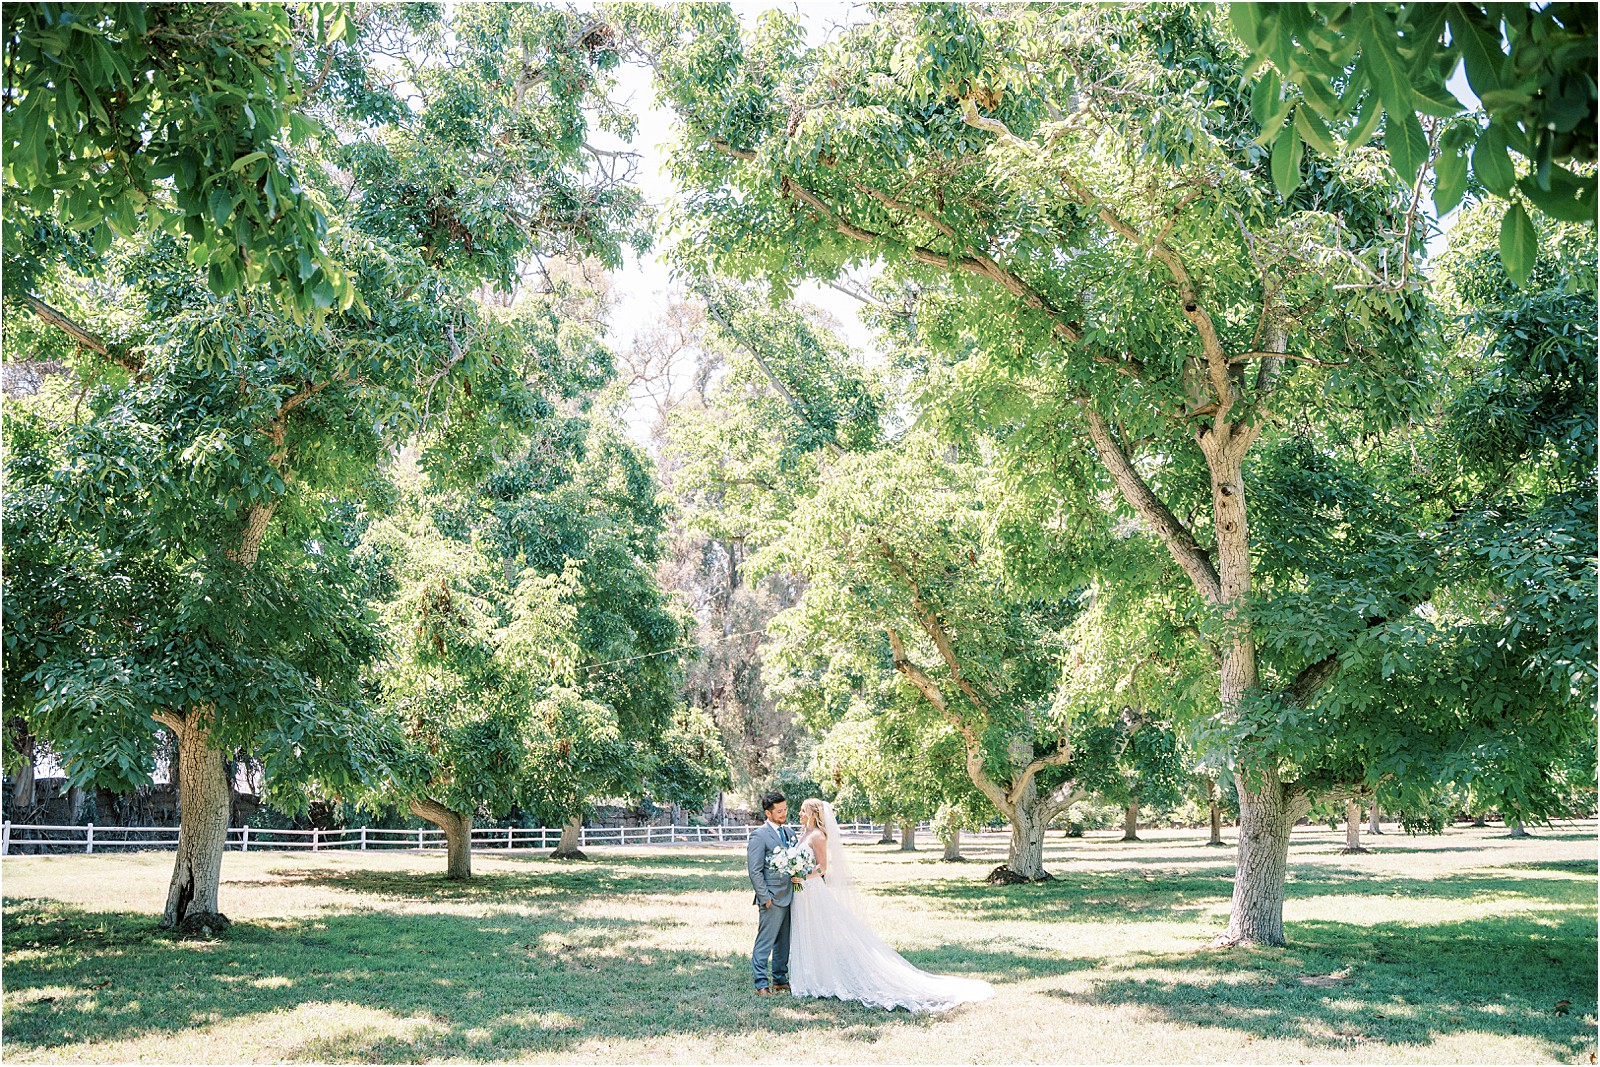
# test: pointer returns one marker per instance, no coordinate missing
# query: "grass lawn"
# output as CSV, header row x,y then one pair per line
x,y
1458,948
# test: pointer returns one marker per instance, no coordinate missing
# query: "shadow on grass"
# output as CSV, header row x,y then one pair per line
x,y
1102,896
498,986
1340,985
536,883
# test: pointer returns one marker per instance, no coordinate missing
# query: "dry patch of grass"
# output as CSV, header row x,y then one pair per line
x,y
1458,948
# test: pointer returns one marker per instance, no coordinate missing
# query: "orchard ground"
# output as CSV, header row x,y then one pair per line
x,y
1466,947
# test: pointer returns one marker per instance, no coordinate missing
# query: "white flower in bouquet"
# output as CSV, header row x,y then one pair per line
x,y
796,862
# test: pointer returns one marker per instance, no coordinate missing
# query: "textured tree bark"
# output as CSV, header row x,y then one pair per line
x,y
75,799
1479,820
1352,828
22,789
457,835
1130,821
908,837
952,847
571,834
1267,813
204,803
1216,814
1025,856
1372,820
1517,829
888,832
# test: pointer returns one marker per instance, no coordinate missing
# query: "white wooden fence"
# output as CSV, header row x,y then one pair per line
x,y
247,838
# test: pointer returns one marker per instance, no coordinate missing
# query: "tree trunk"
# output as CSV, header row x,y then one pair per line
x,y
1025,859
1352,828
1372,819
1216,814
75,797
888,832
1479,820
571,834
1267,813
1130,821
1517,829
203,801
908,837
952,847
457,835
22,790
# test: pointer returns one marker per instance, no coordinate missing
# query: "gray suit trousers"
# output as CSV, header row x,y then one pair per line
x,y
772,943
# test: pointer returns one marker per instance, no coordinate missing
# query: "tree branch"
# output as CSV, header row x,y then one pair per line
x,y
1195,560
1311,678
974,744
1062,797
934,628
79,333
1188,292
171,722
980,265
1026,775
831,443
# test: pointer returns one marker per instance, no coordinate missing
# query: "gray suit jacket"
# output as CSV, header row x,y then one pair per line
x,y
769,884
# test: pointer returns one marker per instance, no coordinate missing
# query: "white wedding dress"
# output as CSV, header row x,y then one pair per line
x,y
834,953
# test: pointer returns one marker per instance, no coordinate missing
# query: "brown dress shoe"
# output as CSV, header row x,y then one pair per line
x,y
763,991
781,988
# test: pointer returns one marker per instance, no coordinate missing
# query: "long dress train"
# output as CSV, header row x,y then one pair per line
x,y
832,953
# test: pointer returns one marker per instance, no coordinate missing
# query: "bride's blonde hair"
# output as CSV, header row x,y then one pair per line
x,y
814,806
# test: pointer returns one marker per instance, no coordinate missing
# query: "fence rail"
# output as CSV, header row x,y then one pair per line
x,y
35,837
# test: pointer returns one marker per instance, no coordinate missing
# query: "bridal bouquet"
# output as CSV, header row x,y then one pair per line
x,y
796,862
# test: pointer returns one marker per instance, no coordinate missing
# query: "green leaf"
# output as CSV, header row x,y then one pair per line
x,y
1450,170
1519,243
1408,145
1436,100
1246,24
221,204
1286,153
244,161
1491,162
1314,131
1366,120
1570,198
1383,63
1263,95
1480,49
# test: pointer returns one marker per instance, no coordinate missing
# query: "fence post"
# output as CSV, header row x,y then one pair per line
x,y
88,839
316,839
419,839
363,839
509,832
5,838
244,839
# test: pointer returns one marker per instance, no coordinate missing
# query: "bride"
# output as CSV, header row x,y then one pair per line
x,y
835,954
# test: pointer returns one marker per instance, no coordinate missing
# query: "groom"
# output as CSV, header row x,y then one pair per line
x,y
774,892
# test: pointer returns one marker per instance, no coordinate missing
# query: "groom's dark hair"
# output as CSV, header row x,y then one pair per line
x,y
772,800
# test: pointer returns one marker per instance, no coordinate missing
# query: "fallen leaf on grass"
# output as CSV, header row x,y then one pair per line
x,y
101,985
1563,1007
